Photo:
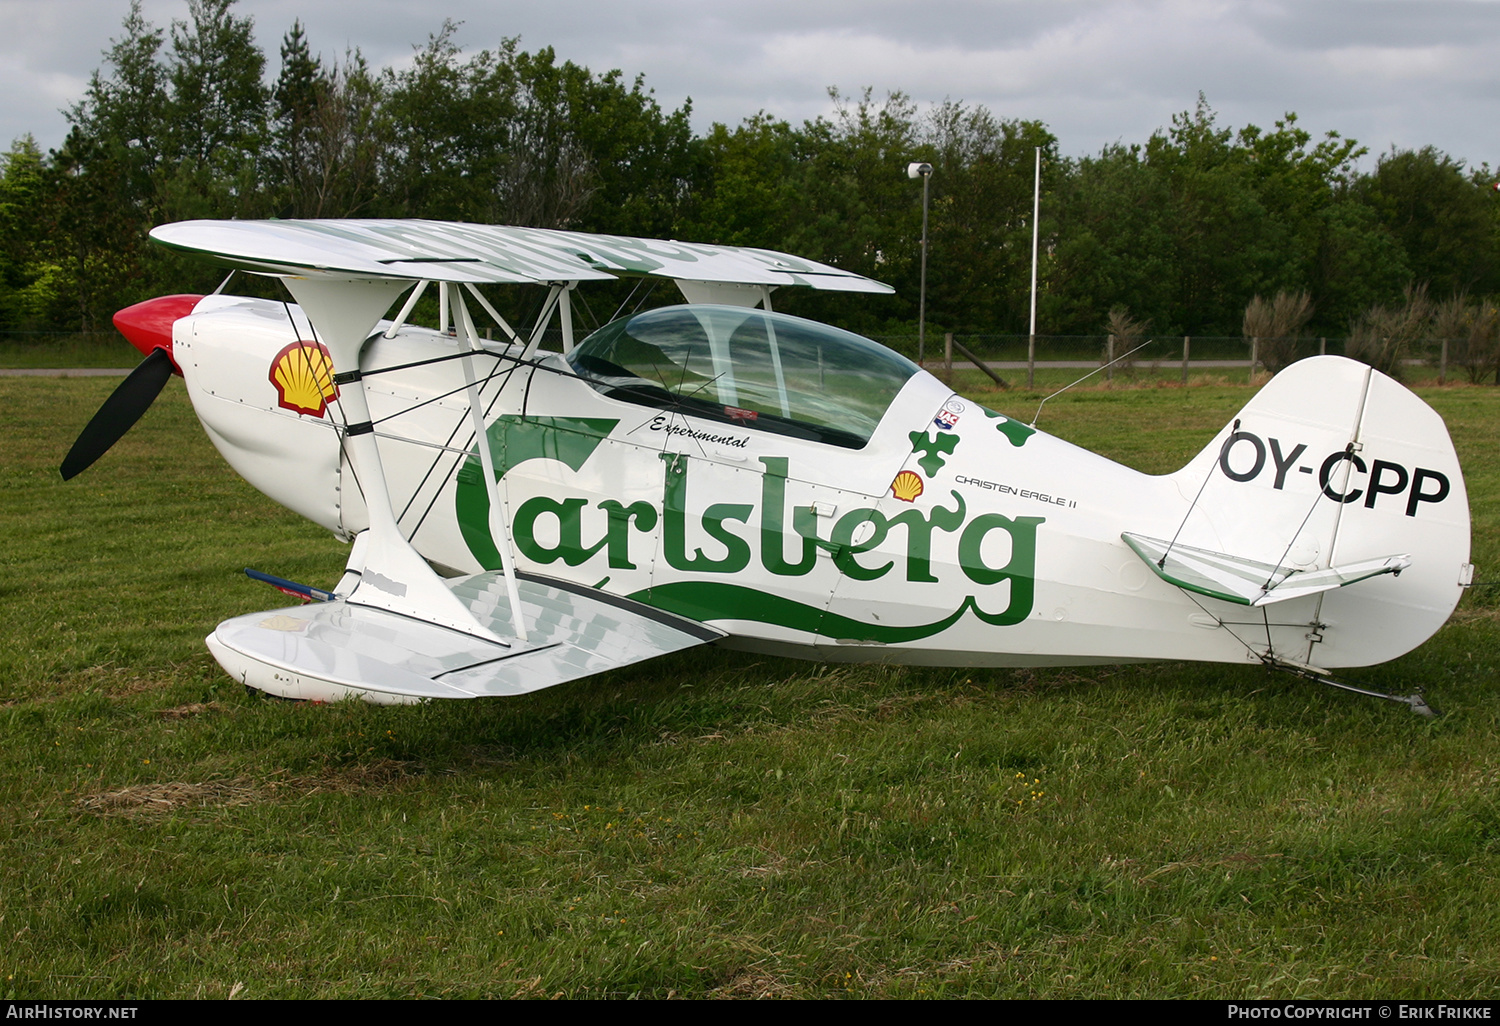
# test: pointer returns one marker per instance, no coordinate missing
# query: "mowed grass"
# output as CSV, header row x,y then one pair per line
x,y
39,349
712,824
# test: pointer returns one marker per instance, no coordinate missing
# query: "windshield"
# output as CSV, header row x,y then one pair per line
x,y
767,371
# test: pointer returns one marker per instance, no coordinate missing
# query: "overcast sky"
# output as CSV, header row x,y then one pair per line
x,y
1404,72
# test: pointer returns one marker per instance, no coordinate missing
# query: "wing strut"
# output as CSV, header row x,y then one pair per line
x,y
565,311
498,525
406,309
543,319
395,577
489,309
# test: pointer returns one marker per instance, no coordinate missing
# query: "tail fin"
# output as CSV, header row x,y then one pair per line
x,y
1334,465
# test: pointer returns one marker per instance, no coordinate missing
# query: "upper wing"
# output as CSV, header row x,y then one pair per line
x,y
478,254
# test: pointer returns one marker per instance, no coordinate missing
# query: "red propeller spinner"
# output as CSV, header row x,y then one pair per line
x,y
148,325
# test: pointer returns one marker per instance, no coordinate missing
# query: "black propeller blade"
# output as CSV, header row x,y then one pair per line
x,y
120,411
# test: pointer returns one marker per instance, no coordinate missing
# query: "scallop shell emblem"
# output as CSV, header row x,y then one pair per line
x,y
303,376
907,486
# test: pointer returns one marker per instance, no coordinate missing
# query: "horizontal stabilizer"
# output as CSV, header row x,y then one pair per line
x,y
328,650
1249,582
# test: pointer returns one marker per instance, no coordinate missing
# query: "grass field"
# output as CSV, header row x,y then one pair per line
x,y
99,349
712,824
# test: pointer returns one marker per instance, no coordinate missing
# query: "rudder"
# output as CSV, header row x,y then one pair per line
x,y
1333,463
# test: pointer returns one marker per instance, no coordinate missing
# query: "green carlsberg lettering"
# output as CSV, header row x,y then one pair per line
x,y
569,547
919,535
772,523
562,523
674,524
1020,571
845,548
620,516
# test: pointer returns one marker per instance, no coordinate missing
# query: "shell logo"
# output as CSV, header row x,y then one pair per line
x,y
303,376
907,486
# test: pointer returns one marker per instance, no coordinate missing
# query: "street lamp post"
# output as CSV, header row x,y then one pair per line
x,y
1036,213
923,171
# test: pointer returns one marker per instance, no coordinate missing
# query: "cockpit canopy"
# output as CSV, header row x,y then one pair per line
x,y
760,370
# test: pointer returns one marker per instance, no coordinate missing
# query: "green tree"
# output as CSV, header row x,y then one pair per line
x,y
833,190
640,156
1187,228
294,102
1359,264
446,123
862,212
29,282
1225,239
1444,220
836,189
295,93
104,184
980,230
511,137
1114,243
97,242
124,112
747,184
325,132
216,115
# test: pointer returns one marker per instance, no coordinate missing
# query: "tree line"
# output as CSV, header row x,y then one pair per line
x,y
1185,232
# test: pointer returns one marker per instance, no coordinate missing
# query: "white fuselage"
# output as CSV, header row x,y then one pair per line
x,y
953,537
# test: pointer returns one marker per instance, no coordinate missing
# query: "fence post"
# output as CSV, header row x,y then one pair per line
x,y
1031,361
1254,356
976,361
1322,345
1443,365
1186,341
948,355
1109,359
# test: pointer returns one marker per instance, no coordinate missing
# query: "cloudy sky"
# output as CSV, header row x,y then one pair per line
x,y
1408,73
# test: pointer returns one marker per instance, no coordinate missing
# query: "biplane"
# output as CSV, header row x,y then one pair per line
x,y
524,507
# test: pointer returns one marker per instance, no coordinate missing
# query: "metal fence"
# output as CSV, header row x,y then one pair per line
x,y
59,338
997,354
1160,355
1013,349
